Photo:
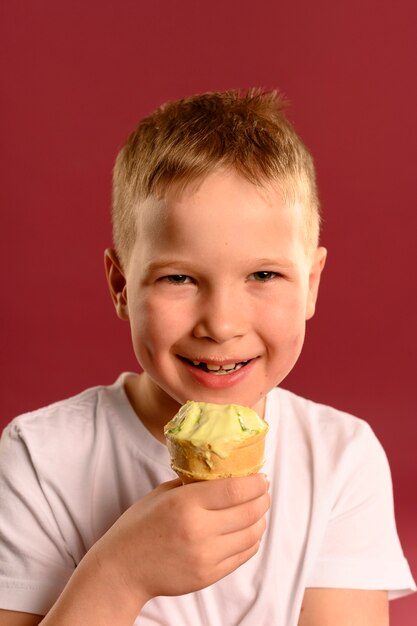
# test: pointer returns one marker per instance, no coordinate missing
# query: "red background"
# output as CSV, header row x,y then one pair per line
x,y
76,78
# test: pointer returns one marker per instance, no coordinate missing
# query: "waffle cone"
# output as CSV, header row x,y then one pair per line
x,y
240,458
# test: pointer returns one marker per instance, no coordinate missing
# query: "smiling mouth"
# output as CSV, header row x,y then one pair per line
x,y
219,370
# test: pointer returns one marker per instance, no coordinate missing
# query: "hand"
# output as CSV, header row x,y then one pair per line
x,y
179,539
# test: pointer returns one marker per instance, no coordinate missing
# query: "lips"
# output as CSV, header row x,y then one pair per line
x,y
218,375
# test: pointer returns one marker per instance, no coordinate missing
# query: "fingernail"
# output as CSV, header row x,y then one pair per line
x,y
265,477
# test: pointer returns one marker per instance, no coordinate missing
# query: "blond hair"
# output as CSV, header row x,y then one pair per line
x,y
185,140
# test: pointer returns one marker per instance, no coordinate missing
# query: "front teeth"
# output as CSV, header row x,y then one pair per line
x,y
221,369
214,368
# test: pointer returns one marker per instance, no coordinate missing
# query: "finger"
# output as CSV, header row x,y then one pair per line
x,y
235,543
167,486
241,516
231,563
229,551
229,492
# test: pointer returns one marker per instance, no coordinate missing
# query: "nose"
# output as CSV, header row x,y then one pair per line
x,y
221,315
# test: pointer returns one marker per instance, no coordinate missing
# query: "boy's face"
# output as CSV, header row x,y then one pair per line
x,y
217,292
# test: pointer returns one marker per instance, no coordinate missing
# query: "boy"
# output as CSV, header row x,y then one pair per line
x,y
216,267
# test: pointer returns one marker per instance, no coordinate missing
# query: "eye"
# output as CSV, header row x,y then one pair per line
x,y
177,279
263,277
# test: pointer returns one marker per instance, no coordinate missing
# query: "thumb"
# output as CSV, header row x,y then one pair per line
x,y
170,484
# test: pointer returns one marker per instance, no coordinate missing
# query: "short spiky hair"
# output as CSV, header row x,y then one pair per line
x,y
183,141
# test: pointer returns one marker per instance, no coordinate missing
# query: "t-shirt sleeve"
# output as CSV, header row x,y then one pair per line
x,y
35,564
360,548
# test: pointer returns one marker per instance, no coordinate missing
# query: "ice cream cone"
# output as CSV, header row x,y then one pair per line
x,y
220,441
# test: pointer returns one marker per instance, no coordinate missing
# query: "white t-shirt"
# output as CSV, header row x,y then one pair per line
x,y
68,471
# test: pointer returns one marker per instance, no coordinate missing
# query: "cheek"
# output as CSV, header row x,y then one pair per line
x,y
283,334
156,323
284,319
284,350
287,341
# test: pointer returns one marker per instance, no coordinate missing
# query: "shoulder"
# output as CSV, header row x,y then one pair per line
x,y
330,440
55,458
73,415
318,421
68,432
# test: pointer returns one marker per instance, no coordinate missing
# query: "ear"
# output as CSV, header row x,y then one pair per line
x,y
117,283
317,265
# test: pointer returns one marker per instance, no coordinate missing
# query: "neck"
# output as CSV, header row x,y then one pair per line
x,y
152,405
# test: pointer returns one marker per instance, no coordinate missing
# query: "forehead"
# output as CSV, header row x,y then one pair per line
x,y
221,196
221,217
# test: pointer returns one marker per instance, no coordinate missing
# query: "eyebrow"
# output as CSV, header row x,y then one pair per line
x,y
154,266
286,263
158,265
